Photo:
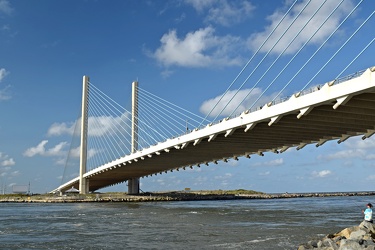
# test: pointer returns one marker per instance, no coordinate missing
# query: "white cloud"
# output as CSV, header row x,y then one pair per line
x,y
5,7
4,93
229,13
3,73
265,173
98,126
272,163
355,148
232,99
200,5
225,176
6,161
356,143
40,149
58,129
257,39
321,174
103,125
223,12
15,173
198,49
349,153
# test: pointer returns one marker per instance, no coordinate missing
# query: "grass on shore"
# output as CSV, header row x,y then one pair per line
x,y
200,192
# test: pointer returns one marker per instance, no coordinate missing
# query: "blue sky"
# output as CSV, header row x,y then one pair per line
x,y
185,51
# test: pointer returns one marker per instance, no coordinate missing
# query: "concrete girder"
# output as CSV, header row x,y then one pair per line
x,y
249,126
322,141
368,134
229,132
341,101
304,111
184,145
343,138
283,149
212,137
302,145
274,119
197,141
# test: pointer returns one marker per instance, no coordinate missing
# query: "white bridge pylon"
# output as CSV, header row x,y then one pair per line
x,y
334,111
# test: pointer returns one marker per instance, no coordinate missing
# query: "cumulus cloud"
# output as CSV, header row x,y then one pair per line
x,y
257,39
344,154
201,48
98,126
361,144
40,149
58,129
232,99
6,161
223,12
353,148
321,174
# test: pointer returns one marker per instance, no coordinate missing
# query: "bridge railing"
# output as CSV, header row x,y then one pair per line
x,y
286,98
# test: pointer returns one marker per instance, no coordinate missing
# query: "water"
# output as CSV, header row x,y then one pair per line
x,y
234,224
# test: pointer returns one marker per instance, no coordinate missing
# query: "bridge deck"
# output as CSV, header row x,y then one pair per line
x,y
332,112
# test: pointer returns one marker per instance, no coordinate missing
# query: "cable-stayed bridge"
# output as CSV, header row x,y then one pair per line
x,y
157,136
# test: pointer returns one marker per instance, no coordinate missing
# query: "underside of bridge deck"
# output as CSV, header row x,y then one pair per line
x,y
334,112
356,117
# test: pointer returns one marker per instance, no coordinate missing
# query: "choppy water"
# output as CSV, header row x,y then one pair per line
x,y
235,224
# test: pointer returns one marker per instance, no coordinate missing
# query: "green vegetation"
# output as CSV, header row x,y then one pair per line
x,y
111,196
232,192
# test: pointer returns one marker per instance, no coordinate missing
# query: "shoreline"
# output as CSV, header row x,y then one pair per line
x,y
169,196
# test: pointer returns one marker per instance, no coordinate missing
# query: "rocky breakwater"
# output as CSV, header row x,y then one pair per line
x,y
352,238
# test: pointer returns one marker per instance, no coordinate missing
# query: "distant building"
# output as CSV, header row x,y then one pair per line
x,y
20,189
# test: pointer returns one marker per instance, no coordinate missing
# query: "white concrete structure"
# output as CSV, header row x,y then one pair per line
x,y
133,183
336,111
83,187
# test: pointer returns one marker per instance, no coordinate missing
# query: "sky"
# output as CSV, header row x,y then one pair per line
x,y
187,52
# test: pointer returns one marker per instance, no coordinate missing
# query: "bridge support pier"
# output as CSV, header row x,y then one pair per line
x,y
133,183
133,186
83,182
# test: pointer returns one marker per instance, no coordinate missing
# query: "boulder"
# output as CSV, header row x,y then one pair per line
x,y
368,227
347,231
357,235
350,245
351,238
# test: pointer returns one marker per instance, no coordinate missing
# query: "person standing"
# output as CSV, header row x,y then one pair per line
x,y
368,213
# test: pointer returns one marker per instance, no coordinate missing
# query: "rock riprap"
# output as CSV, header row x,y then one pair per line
x,y
352,238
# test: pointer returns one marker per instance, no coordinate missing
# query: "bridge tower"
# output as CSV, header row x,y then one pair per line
x,y
83,182
133,183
